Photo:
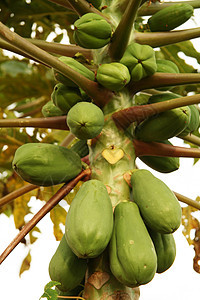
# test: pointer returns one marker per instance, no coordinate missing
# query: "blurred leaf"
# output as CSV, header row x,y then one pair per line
x,y
31,234
25,264
58,216
189,222
49,293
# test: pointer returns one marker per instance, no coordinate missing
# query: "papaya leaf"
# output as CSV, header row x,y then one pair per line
x,y
58,216
25,266
189,222
69,198
31,235
49,292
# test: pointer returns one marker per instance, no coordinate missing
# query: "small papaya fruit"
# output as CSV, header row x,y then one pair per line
x,y
162,97
66,268
92,31
46,164
75,65
89,221
164,125
194,121
113,76
133,259
165,247
158,205
170,17
50,110
85,120
140,60
161,164
65,97
81,148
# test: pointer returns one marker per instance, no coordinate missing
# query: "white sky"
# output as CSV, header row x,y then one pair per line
x,y
180,282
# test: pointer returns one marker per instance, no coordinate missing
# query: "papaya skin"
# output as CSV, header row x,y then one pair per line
x,y
158,205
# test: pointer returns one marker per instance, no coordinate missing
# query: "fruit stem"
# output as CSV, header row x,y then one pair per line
x,y
51,123
147,10
120,38
160,149
100,95
162,80
17,193
187,200
159,39
123,118
53,201
191,138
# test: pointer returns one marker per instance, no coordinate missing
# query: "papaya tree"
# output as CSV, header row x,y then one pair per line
x,y
75,117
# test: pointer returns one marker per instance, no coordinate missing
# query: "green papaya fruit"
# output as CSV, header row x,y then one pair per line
x,y
74,292
66,268
158,205
89,221
166,66
170,17
81,148
95,3
85,120
162,97
132,254
165,247
140,60
50,110
161,164
92,31
75,65
164,125
113,76
46,164
194,121
65,97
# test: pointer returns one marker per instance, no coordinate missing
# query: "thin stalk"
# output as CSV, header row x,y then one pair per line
x,y
51,123
125,117
100,95
159,39
187,200
63,3
123,31
160,149
191,138
69,138
147,10
17,193
61,49
162,80
53,201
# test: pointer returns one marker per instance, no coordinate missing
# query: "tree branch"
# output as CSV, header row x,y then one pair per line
x,y
17,193
125,117
162,80
123,31
99,94
53,201
159,39
160,149
51,123
187,200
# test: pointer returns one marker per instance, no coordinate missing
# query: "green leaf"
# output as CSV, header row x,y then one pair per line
x,y
49,293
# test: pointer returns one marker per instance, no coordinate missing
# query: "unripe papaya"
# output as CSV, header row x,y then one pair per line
x,y
194,121
81,148
170,17
74,292
75,65
162,97
164,125
85,120
140,60
65,97
95,3
113,76
89,221
92,31
50,110
161,164
46,164
165,247
132,254
158,205
66,268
